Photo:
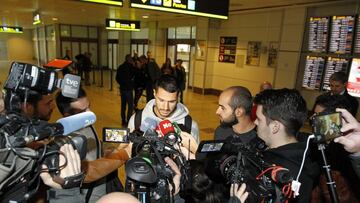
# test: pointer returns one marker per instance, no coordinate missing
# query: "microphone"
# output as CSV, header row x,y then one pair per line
x,y
76,122
41,129
167,130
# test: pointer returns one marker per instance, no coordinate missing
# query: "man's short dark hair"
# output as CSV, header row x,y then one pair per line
x,y
339,77
241,97
284,105
168,83
13,100
63,103
331,102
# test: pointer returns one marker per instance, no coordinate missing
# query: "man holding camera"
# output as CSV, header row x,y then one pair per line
x,y
280,115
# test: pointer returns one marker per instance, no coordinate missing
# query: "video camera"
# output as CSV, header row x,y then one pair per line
x,y
227,162
21,165
148,176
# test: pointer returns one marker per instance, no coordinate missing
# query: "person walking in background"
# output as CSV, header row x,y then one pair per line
x,y
125,77
166,68
67,56
153,72
180,75
87,67
140,79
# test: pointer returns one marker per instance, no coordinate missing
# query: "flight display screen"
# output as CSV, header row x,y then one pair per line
x,y
318,34
357,37
333,65
342,28
206,8
314,69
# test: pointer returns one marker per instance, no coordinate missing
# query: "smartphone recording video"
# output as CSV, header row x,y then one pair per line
x,y
327,127
118,135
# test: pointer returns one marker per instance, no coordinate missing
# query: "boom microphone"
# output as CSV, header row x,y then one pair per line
x,y
77,122
64,126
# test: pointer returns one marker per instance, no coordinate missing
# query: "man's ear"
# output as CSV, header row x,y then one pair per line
x,y
239,111
275,126
154,92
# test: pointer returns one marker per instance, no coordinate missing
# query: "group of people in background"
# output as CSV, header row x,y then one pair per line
x,y
139,73
82,66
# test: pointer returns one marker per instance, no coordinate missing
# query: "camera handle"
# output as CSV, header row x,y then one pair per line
x,y
330,182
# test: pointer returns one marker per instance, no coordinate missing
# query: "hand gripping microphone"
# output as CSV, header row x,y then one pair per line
x,y
168,132
41,130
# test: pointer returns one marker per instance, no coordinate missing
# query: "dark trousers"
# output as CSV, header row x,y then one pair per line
x,y
127,98
182,96
149,92
138,93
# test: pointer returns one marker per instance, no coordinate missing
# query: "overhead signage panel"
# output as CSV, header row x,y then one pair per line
x,y
36,18
109,2
205,8
126,25
8,29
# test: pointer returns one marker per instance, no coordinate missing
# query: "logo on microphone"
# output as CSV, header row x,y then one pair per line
x,y
89,122
167,125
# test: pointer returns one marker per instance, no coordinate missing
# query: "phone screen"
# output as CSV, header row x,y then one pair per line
x,y
115,135
327,127
211,147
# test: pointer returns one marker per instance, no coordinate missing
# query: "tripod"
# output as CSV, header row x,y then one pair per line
x,y
330,182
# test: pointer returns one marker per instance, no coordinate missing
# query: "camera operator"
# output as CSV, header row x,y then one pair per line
x,y
280,114
99,171
351,138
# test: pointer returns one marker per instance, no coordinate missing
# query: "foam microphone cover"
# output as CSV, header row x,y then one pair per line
x,y
166,127
77,121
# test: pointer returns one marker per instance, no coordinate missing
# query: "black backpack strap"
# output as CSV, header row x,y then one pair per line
x,y
188,123
137,120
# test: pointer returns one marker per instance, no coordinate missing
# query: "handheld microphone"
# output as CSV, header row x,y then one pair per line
x,y
167,131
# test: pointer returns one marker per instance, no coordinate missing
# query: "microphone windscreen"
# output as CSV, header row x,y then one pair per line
x,y
77,121
148,124
166,127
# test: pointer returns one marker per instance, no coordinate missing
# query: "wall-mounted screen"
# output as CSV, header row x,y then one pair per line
x,y
314,69
357,37
333,65
206,8
341,36
318,34
353,85
126,25
11,29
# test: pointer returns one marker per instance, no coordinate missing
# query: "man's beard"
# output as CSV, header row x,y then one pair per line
x,y
230,122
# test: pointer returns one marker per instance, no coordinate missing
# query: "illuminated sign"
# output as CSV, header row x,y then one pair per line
x,y
205,8
11,29
110,2
36,18
127,25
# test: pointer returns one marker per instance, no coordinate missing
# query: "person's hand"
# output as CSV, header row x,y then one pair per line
x,y
188,155
351,129
126,146
239,192
72,167
188,142
176,178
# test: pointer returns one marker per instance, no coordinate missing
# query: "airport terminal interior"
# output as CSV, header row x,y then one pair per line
x,y
289,43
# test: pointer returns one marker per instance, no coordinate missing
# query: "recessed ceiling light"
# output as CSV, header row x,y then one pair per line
x,y
55,19
145,16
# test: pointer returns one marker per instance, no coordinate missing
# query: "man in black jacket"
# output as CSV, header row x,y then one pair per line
x,y
279,116
125,77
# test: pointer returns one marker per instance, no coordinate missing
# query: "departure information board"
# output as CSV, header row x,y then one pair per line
x,y
342,28
206,8
357,37
333,65
314,69
318,34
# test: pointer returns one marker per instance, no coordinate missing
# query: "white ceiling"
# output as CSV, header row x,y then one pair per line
x,y
20,12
